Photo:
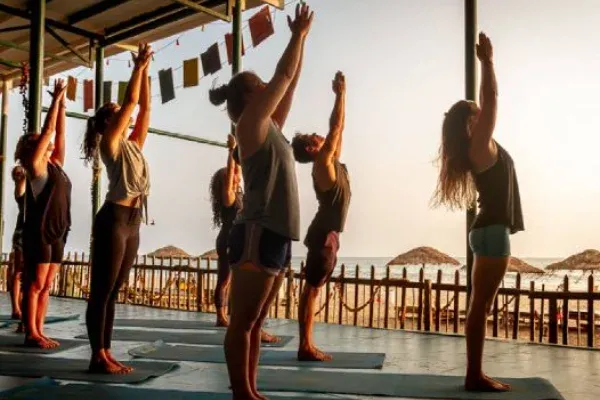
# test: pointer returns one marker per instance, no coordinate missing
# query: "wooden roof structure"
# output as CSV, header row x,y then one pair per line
x,y
423,256
75,28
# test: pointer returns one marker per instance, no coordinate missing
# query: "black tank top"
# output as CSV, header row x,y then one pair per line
x,y
20,217
50,212
499,201
228,214
333,207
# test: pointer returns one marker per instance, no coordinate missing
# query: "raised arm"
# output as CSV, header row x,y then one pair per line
x,y
283,109
113,134
58,155
49,127
142,122
261,109
228,189
484,128
332,146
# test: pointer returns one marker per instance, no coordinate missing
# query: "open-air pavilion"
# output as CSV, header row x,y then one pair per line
x,y
54,36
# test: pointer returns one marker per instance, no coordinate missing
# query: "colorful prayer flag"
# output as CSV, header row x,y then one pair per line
x,y
190,72
261,26
122,90
167,89
229,45
88,95
71,88
211,61
107,92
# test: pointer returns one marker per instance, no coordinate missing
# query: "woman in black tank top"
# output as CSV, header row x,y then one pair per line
x,y
47,217
14,280
473,163
226,199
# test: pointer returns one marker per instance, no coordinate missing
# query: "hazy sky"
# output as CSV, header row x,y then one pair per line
x,y
403,62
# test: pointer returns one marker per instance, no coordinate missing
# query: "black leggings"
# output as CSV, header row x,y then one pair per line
x,y
116,239
223,271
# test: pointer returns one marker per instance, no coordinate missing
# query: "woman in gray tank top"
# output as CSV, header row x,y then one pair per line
x,y
116,230
260,241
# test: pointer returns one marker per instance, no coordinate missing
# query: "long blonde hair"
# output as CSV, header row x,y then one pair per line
x,y
455,188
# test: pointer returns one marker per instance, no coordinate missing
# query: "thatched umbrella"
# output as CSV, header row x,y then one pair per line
x,y
168,251
423,256
520,266
517,265
588,260
210,255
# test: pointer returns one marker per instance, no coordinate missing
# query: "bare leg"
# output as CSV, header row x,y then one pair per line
x,y
15,293
307,351
250,289
487,276
33,337
257,334
43,301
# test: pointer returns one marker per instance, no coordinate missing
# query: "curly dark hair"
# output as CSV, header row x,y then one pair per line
x,y
216,196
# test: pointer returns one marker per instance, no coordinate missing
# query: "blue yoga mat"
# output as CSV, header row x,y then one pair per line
x,y
39,385
14,344
212,354
103,392
7,320
207,338
70,369
169,324
417,386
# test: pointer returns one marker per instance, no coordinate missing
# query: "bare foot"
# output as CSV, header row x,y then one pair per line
x,y
103,366
222,322
484,383
313,354
20,328
268,338
17,316
37,341
116,362
52,342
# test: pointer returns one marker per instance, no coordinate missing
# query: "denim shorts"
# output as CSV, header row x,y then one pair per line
x,y
266,249
490,241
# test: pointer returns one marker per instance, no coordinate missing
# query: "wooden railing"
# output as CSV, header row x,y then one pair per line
x,y
520,312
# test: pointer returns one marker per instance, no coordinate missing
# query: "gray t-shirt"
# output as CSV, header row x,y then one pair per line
x,y
128,174
270,187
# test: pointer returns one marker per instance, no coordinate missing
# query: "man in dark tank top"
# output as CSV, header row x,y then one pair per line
x,y
332,188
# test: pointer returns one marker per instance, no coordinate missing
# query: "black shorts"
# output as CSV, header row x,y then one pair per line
x,y
322,258
263,247
37,252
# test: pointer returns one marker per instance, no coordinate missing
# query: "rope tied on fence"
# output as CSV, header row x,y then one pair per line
x,y
362,307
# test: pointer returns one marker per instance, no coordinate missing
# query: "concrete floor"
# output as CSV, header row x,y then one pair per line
x,y
574,372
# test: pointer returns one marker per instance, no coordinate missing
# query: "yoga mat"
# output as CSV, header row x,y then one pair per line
x,y
76,370
49,319
14,344
37,385
102,392
217,338
399,385
212,354
169,324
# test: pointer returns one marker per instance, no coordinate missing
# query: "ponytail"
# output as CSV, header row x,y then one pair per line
x,y
218,95
89,147
94,130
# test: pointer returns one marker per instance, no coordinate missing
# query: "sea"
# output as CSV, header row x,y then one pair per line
x,y
552,280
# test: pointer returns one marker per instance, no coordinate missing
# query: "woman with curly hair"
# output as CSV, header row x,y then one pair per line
x,y
226,200
473,162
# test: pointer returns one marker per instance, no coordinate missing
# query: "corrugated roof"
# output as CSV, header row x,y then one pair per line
x,y
82,24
